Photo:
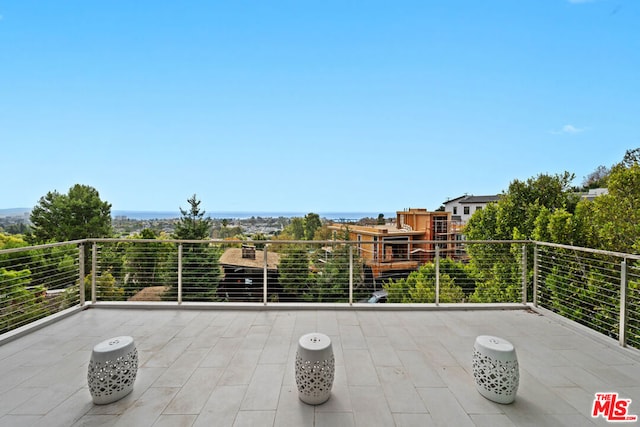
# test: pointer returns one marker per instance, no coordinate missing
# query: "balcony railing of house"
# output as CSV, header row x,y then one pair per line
x,y
597,289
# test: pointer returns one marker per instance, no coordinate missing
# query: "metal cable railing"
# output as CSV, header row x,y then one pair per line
x,y
305,272
38,281
598,289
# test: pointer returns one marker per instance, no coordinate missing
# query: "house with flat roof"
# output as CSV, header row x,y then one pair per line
x,y
461,208
395,249
593,193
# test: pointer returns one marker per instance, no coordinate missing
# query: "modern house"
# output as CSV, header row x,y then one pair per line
x,y
398,248
593,193
461,208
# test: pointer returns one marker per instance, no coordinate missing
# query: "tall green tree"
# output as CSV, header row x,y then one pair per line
x,y
79,214
312,223
57,217
201,270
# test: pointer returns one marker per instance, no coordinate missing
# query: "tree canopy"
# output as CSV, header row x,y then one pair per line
x,y
612,221
302,228
79,214
420,287
514,215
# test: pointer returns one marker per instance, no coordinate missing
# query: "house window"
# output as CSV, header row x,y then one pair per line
x,y
440,224
395,248
466,210
375,248
455,210
478,208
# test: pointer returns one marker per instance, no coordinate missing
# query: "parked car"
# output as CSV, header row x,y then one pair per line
x,y
376,297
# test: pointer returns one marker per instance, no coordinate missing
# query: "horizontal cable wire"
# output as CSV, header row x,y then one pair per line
x,y
578,283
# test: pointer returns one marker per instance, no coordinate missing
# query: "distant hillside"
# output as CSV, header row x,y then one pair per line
x,y
14,212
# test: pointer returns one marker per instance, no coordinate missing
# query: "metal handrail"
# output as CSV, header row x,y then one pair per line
x,y
610,275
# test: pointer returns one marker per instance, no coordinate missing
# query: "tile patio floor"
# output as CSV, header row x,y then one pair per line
x,y
235,368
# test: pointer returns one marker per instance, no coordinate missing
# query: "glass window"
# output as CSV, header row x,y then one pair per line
x,y
455,210
440,224
395,248
466,210
375,248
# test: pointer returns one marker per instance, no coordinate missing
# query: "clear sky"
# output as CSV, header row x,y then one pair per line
x,y
311,106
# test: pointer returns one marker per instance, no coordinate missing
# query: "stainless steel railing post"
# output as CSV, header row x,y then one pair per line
x,y
94,271
81,273
437,265
535,274
622,333
180,273
524,274
350,275
265,276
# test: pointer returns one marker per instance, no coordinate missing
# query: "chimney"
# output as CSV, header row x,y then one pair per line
x,y
248,252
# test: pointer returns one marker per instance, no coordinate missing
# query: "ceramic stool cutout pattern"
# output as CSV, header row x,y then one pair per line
x,y
495,369
315,368
112,369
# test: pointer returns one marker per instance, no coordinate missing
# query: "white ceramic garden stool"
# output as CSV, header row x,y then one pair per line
x,y
112,369
315,368
495,369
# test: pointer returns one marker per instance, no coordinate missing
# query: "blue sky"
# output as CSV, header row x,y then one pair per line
x,y
311,106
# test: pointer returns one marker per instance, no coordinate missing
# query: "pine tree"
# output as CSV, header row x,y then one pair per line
x,y
201,271
193,225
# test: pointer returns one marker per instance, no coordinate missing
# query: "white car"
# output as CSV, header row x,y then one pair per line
x,y
377,297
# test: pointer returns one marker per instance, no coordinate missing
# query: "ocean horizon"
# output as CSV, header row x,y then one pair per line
x,y
147,215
